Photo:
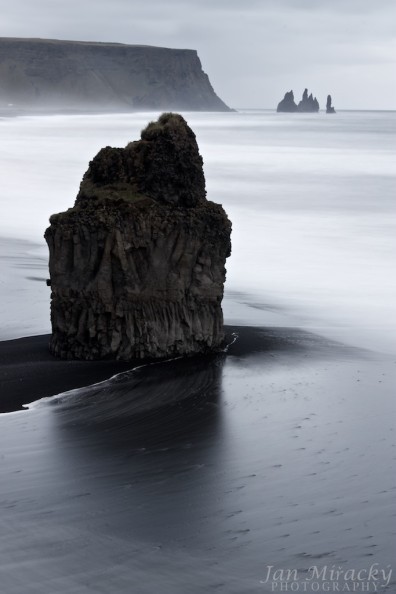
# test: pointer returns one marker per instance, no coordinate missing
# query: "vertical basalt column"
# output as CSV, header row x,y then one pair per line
x,y
137,266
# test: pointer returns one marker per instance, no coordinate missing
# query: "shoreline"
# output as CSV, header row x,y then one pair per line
x,y
28,371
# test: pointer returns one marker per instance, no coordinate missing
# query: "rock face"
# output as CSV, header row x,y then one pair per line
x,y
287,104
307,103
137,266
329,107
51,74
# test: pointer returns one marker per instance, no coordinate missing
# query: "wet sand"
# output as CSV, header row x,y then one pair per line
x,y
28,372
194,475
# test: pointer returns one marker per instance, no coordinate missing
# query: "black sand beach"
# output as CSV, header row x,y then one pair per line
x,y
29,372
197,474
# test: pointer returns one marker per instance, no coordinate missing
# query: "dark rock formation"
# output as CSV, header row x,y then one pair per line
x,y
329,107
287,104
137,265
51,74
308,103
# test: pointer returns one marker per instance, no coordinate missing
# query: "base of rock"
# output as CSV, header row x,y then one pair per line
x,y
142,331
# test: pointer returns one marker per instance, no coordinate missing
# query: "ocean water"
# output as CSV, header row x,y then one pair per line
x,y
311,198
199,475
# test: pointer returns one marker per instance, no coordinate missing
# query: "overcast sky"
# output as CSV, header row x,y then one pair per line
x,y
252,50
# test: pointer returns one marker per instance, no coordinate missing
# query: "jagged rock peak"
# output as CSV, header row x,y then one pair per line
x,y
137,266
329,107
287,104
308,103
165,165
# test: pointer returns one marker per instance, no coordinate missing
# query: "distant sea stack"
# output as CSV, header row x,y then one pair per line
x,y
329,107
137,266
308,103
41,74
287,104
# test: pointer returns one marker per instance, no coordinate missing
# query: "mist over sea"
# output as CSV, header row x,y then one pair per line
x,y
280,452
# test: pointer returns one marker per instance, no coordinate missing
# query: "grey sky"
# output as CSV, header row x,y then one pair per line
x,y
253,50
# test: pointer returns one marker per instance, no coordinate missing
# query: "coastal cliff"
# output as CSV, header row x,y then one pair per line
x,y
137,266
51,74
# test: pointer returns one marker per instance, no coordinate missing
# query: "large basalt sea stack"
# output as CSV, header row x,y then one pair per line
x,y
137,266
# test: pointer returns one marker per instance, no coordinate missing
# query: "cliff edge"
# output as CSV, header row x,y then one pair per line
x,y
51,74
137,266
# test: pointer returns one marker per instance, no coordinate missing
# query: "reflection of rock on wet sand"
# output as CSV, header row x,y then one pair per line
x,y
138,402
271,455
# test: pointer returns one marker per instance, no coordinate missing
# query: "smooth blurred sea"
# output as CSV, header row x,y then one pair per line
x,y
311,198
196,475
